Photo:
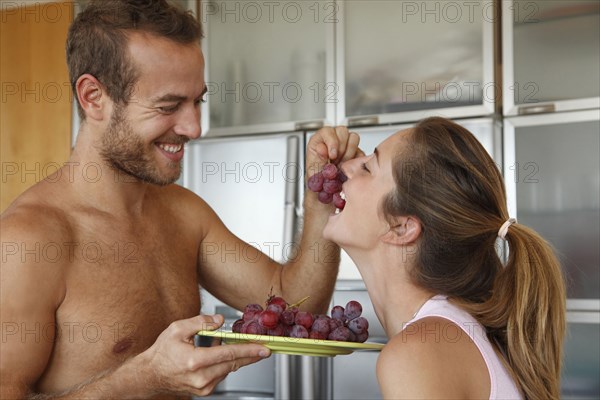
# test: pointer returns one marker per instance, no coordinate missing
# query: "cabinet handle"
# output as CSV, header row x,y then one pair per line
x,y
309,125
538,109
362,121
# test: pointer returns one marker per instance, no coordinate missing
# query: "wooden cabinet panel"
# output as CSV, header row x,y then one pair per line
x,y
35,108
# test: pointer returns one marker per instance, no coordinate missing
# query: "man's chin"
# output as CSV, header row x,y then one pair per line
x,y
141,177
160,181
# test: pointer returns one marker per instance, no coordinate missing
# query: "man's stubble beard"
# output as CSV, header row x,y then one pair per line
x,y
124,151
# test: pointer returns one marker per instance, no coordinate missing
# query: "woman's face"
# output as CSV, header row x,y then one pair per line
x,y
370,179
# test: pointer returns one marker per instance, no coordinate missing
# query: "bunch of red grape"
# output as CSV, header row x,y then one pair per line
x,y
345,324
328,184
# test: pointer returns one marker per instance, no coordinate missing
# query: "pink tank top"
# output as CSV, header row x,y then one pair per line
x,y
502,385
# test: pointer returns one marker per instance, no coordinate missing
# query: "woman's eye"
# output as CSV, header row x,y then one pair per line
x,y
364,167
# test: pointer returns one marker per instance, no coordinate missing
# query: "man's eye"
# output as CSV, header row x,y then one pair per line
x,y
169,109
364,167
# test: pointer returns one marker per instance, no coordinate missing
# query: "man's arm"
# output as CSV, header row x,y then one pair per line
x,y
170,365
31,292
315,270
249,276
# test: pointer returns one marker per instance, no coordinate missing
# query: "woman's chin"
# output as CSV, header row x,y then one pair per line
x,y
329,234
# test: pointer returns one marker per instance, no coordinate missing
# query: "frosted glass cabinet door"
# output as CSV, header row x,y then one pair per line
x,y
553,163
266,63
581,366
402,56
551,54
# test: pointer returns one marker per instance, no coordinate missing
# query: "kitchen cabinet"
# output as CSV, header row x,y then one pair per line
x,y
551,59
402,61
299,65
581,366
381,65
36,94
551,56
267,66
552,175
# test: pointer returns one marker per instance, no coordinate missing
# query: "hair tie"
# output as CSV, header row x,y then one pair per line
x,y
504,228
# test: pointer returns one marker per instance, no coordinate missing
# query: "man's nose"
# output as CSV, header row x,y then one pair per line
x,y
189,123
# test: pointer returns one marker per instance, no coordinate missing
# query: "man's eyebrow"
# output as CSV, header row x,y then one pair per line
x,y
377,155
169,97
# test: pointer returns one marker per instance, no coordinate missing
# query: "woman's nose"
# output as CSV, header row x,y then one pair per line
x,y
349,167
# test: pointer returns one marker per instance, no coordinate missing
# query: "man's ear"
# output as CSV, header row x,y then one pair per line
x,y
91,96
405,231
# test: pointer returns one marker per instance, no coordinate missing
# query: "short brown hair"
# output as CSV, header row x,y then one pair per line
x,y
97,40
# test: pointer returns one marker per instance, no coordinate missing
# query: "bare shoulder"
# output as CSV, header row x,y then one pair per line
x,y
34,217
33,237
421,362
185,198
190,207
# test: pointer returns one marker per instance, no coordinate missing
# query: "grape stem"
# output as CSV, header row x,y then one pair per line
x,y
297,304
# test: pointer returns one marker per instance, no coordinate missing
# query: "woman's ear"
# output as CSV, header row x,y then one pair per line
x,y
91,96
406,231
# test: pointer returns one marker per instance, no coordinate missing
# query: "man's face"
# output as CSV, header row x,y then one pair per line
x,y
125,150
145,138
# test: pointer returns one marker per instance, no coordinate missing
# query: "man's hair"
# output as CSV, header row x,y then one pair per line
x,y
97,40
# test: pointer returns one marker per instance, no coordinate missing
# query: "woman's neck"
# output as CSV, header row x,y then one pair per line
x,y
395,297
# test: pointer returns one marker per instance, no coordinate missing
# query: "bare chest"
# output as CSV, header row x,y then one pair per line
x,y
122,291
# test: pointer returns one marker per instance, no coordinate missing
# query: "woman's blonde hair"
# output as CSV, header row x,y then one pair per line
x,y
450,183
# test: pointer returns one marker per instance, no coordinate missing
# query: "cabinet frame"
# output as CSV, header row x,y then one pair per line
x,y
508,72
486,108
511,124
285,126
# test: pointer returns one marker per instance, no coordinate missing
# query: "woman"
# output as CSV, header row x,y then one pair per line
x,y
421,222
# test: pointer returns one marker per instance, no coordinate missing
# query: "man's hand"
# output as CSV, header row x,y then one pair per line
x,y
174,365
331,144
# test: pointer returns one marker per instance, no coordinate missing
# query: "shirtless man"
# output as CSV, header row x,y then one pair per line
x,y
101,261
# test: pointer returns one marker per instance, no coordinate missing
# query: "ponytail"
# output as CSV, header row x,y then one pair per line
x,y
536,322
525,314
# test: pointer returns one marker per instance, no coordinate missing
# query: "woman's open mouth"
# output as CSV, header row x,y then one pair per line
x,y
339,201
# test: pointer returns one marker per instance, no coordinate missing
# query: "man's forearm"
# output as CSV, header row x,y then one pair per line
x,y
313,272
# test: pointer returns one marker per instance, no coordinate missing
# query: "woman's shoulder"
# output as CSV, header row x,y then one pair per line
x,y
426,360
421,341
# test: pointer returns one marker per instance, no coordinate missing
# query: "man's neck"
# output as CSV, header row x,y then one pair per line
x,y
101,186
